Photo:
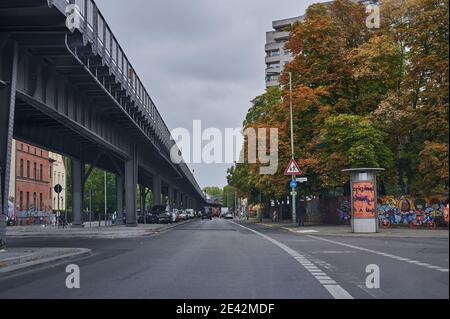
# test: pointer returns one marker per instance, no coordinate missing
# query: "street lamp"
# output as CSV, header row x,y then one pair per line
x,y
292,149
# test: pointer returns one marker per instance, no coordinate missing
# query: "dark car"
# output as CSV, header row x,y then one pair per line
x,y
164,215
151,217
207,214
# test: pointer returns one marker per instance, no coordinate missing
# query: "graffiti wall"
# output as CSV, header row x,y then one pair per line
x,y
344,209
405,209
399,209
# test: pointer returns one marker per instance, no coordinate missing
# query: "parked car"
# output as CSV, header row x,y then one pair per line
x,y
175,215
228,215
163,213
151,217
190,213
183,215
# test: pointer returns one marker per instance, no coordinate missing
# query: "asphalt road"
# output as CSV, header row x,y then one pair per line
x,y
222,259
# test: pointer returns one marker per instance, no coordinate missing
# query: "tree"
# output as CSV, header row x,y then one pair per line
x,y
212,190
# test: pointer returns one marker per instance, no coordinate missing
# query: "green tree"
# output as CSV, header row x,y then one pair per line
x,y
212,190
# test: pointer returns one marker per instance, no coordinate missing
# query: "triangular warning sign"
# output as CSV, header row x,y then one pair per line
x,y
293,169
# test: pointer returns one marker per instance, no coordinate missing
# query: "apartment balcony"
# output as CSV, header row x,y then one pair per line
x,y
281,36
284,23
273,46
272,83
272,71
273,59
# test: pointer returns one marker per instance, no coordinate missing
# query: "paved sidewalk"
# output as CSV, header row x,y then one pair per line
x,y
109,232
345,230
18,258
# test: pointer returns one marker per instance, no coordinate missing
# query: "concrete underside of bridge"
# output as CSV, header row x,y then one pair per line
x,y
73,105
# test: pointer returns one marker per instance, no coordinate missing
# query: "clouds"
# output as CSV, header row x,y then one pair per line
x,y
198,59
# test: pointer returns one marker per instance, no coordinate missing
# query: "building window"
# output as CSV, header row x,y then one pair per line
x,y
21,167
28,200
34,171
28,169
41,202
41,171
34,201
273,53
21,200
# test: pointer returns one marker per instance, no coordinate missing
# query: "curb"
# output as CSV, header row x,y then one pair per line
x,y
130,234
21,262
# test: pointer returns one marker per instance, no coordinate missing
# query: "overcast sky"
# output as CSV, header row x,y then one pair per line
x,y
199,59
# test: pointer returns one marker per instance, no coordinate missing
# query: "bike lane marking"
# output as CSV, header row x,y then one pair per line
x,y
408,260
326,281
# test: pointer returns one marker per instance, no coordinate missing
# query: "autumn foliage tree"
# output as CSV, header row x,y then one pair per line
x,y
362,97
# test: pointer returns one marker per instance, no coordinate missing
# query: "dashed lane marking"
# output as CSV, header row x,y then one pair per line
x,y
327,282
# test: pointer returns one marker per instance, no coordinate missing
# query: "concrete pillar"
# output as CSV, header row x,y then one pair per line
x,y
178,199
171,197
130,188
156,190
7,110
119,198
77,191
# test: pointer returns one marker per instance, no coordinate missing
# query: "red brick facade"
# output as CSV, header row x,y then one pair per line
x,y
33,178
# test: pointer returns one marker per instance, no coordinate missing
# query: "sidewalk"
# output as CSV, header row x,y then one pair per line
x,y
345,230
109,232
18,258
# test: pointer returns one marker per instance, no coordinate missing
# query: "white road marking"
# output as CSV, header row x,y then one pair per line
x,y
330,285
306,231
418,263
338,292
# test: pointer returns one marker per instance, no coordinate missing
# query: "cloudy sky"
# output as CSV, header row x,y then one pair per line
x,y
199,59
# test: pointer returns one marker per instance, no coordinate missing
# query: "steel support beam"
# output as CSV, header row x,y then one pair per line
x,y
7,109
77,191
171,197
119,198
131,172
156,190
178,199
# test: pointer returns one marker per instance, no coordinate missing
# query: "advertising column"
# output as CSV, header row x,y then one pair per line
x,y
364,199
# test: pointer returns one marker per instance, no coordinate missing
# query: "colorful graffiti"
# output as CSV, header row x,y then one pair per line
x,y
344,209
400,210
407,209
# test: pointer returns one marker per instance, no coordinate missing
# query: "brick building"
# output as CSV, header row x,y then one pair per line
x,y
33,185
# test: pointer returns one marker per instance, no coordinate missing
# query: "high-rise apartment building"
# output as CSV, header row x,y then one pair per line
x,y
276,56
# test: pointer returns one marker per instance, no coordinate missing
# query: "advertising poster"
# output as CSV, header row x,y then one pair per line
x,y
363,194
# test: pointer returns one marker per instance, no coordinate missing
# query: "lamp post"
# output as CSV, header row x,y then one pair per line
x,y
293,177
